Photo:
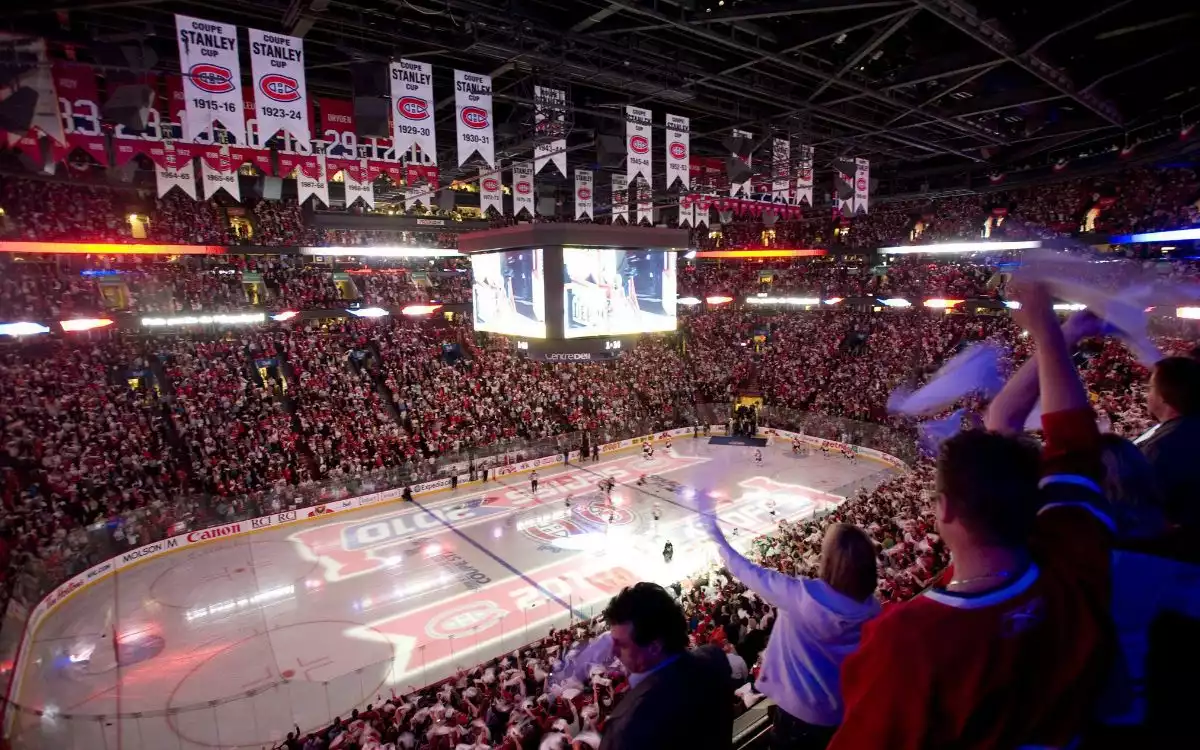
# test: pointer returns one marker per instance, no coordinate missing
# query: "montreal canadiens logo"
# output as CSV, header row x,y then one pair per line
x,y
475,118
678,151
639,144
524,188
279,87
862,184
491,184
465,619
584,194
806,174
210,78
412,108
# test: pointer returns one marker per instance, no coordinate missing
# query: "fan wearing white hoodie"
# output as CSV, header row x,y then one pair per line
x,y
819,624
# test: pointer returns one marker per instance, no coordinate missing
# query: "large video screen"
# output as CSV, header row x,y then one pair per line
x,y
617,292
508,292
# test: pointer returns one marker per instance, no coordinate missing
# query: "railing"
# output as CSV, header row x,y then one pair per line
x,y
365,672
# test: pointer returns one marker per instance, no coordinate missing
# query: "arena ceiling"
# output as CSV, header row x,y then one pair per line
x,y
917,86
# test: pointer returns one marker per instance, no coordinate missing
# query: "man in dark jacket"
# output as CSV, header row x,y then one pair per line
x,y
677,698
1174,400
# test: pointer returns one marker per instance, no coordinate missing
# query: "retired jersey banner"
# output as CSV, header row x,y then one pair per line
x,y
862,186
639,140
781,169
217,172
212,79
412,110
523,188
645,203
28,56
358,183
491,191
280,96
312,180
678,148
175,171
550,116
804,176
337,128
741,188
583,194
620,198
473,104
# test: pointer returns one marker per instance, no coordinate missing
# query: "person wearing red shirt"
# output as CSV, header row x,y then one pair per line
x,y
1012,645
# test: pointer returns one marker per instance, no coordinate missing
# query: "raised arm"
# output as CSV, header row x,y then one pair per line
x,y
779,590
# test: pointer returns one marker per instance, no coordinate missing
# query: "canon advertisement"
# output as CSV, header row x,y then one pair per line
x,y
508,292
617,292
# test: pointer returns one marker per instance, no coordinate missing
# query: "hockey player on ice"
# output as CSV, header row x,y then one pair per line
x,y
758,456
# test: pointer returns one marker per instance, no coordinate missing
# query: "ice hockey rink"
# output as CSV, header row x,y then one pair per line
x,y
232,643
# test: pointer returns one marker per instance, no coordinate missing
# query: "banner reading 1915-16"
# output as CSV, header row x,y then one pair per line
x,y
473,104
280,96
212,79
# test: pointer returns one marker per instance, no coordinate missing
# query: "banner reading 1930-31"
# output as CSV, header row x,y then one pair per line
x,y
473,104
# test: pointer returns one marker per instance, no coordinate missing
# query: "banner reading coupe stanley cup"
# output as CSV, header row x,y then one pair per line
x,y
212,79
491,191
639,142
804,177
473,104
583,194
412,110
280,96
678,150
550,115
523,188
862,186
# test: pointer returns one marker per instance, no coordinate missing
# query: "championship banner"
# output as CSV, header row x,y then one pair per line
x,y
703,207
77,103
549,119
743,188
412,111
217,172
358,183
473,104
862,186
491,191
678,149
175,171
420,183
280,96
212,79
639,140
312,180
687,210
804,177
620,198
645,203
337,128
584,190
523,188
843,185
781,168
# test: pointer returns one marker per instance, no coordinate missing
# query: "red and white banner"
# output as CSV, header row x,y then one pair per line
x,y
337,128
687,210
704,205
359,183
584,191
781,169
412,111
491,191
522,188
645,203
862,186
678,151
804,177
549,119
280,95
39,77
741,188
175,170
218,171
421,183
312,180
212,79
473,105
78,99
620,198
639,143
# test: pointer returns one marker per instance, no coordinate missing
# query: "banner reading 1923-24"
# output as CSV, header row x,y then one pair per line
x,y
280,97
212,79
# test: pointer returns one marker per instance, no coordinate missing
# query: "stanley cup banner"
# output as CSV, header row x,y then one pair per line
x,y
212,79
678,148
781,169
280,97
491,191
583,194
639,139
412,111
550,115
473,103
620,198
804,177
862,185
645,203
523,188
742,188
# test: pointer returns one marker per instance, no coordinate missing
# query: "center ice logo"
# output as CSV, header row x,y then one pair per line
x,y
585,518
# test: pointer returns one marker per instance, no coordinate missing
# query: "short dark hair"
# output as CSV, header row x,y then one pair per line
x,y
653,613
1177,380
991,481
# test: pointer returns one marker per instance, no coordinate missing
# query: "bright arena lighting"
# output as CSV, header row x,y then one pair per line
x,y
895,302
800,301
84,324
1188,313
941,304
687,301
382,251
833,300
718,300
369,312
22,329
415,310
285,315
1168,236
947,248
1070,306
192,320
